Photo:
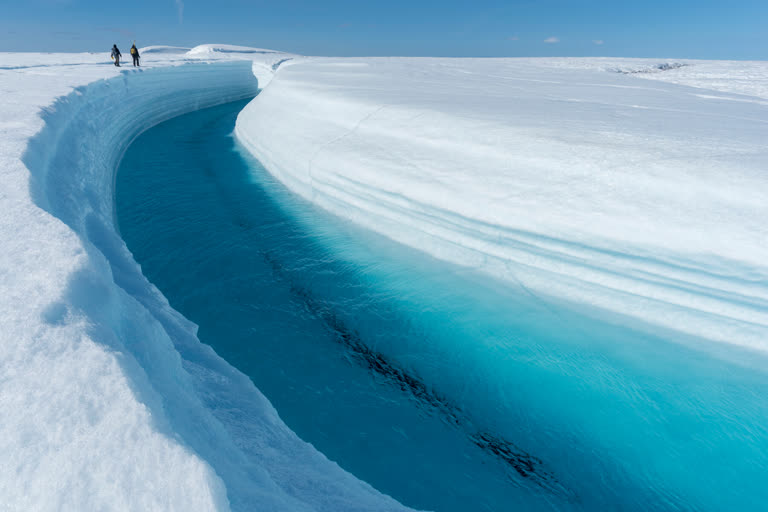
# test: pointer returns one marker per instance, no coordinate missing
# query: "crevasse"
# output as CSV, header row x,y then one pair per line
x,y
133,411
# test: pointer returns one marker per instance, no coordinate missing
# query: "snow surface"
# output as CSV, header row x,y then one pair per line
x,y
633,189
108,401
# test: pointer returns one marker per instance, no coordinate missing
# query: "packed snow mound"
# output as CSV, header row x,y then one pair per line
x,y
109,399
634,200
226,48
163,50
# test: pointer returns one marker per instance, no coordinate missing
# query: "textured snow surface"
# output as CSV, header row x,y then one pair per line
x,y
108,401
739,77
632,188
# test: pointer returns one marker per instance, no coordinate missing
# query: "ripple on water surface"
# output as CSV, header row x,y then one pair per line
x,y
440,388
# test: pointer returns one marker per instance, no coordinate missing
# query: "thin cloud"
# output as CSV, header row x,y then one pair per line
x,y
180,10
513,38
598,41
552,40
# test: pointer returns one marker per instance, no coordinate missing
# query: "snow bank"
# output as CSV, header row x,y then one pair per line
x,y
636,200
107,398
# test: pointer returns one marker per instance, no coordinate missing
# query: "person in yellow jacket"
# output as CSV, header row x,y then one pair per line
x,y
135,54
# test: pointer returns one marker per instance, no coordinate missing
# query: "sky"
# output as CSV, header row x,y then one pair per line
x,y
704,29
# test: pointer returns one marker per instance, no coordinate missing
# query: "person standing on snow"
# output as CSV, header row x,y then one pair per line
x,y
135,54
116,55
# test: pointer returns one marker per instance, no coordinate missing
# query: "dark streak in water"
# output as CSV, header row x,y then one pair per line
x,y
521,463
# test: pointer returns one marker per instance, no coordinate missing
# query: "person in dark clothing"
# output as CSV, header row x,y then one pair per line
x,y
116,55
135,54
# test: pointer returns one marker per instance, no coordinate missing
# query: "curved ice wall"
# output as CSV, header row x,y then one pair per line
x,y
634,201
110,401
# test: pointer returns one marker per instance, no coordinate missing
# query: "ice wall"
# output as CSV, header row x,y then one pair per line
x,y
109,401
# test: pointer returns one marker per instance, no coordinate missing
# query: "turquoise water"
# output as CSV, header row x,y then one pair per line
x,y
437,386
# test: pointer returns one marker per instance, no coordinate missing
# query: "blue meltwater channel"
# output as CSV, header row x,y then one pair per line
x,y
441,388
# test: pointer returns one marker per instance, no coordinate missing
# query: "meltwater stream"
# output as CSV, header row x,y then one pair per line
x,y
438,387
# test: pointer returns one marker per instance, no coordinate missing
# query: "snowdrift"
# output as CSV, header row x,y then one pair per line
x,y
630,199
109,400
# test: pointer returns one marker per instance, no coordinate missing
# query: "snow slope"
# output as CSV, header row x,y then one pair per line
x,y
633,189
108,401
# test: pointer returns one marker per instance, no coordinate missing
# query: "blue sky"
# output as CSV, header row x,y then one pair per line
x,y
736,29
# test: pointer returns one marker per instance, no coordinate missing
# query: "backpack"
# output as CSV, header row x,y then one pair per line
x,y
133,50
